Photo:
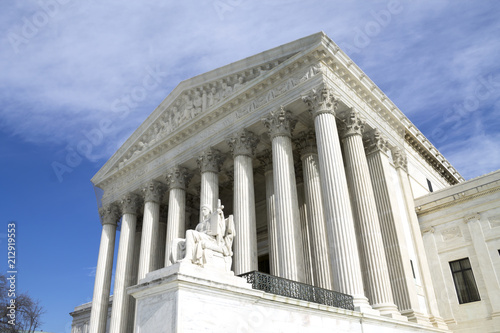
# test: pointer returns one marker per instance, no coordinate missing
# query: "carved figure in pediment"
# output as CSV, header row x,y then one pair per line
x,y
188,110
213,97
197,104
210,243
239,84
226,90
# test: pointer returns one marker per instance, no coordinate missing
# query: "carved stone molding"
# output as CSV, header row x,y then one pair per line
x,y
210,160
351,123
375,142
472,217
153,191
130,203
399,158
306,143
266,159
178,177
243,143
321,100
110,214
280,123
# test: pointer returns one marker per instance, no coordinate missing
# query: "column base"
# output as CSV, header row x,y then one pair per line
x,y
438,322
389,310
361,305
417,317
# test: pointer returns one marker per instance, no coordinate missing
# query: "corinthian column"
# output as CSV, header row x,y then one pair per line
x,y
314,203
280,125
373,262
342,248
272,234
177,180
124,265
396,253
245,243
153,192
209,162
100,302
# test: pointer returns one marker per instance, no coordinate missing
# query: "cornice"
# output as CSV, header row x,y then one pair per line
x,y
456,195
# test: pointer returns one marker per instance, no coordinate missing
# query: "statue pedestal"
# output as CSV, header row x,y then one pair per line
x,y
188,298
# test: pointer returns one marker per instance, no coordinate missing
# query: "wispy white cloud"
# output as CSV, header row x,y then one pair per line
x,y
427,57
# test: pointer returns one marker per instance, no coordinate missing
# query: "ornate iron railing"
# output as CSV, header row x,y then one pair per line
x,y
283,287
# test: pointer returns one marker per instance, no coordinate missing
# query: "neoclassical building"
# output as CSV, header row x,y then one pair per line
x,y
320,171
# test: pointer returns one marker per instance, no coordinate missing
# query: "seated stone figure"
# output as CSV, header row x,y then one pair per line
x,y
210,244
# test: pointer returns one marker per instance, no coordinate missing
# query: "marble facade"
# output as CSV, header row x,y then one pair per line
x,y
318,167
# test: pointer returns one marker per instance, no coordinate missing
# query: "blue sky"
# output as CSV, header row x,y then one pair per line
x,y
66,65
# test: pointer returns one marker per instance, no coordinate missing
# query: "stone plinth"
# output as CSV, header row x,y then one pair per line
x,y
188,298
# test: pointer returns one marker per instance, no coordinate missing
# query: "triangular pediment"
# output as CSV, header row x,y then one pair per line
x,y
200,95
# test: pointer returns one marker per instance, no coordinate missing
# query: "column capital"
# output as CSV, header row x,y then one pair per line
x,y
243,143
472,217
399,158
351,123
153,191
321,100
266,159
110,214
375,142
210,160
306,143
280,123
130,203
178,177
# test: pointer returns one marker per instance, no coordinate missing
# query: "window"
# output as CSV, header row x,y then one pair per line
x,y
464,281
429,185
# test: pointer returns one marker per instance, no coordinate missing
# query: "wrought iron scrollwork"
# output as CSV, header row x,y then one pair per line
x,y
288,288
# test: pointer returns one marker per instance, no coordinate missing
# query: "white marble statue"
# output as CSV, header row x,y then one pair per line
x,y
210,244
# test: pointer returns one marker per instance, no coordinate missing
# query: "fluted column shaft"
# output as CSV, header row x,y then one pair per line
x,y
343,252
102,285
312,185
304,231
242,146
373,260
176,220
124,265
209,163
272,233
134,272
177,179
403,288
280,125
150,228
